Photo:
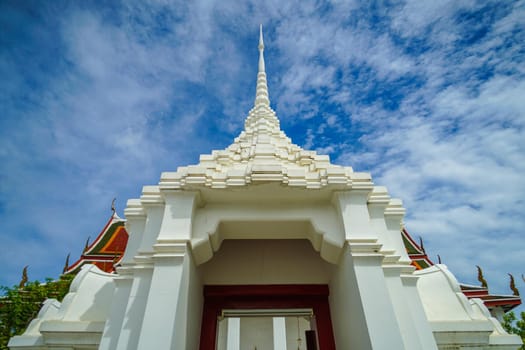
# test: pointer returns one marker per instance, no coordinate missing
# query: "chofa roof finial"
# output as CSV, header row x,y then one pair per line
x,y
481,279
421,245
515,290
113,206
66,265
24,279
86,246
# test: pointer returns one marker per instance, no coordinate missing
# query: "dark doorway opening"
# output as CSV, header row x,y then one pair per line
x,y
267,297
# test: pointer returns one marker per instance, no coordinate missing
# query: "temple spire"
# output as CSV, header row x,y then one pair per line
x,y
261,95
262,119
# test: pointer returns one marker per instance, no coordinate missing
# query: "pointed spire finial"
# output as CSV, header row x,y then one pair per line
x,y
24,279
66,265
261,95
421,245
87,244
515,290
481,279
114,209
261,41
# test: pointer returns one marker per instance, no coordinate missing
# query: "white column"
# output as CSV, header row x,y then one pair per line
x,y
383,329
113,325
153,204
394,214
141,267
360,304
233,339
401,284
424,332
132,321
401,303
162,307
279,333
135,223
377,203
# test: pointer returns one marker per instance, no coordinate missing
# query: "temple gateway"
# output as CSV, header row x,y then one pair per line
x,y
263,245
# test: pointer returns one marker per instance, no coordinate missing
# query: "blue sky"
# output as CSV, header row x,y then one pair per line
x,y
97,98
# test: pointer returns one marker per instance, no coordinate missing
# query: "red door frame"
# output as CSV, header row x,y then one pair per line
x,y
314,296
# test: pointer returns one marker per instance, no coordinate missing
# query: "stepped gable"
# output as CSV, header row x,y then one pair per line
x,y
106,250
263,153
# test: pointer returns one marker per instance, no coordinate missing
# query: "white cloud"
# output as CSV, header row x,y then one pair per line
x,y
438,121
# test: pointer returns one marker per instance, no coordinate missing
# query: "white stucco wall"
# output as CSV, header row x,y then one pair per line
x,y
266,262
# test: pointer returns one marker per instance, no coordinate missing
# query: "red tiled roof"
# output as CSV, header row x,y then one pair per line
x,y
106,250
420,260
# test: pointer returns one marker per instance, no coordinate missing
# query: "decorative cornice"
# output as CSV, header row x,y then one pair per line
x,y
151,196
395,208
134,209
379,196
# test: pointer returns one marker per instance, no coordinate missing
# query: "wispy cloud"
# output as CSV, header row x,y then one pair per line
x,y
425,95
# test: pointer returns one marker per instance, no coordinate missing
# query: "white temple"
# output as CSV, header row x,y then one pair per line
x,y
264,246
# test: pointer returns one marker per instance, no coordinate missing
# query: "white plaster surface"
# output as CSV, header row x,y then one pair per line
x,y
76,322
266,262
455,320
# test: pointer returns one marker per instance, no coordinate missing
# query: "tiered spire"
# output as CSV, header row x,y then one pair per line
x,y
262,119
263,153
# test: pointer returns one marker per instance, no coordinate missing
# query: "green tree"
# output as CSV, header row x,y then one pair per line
x,y
18,306
512,325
